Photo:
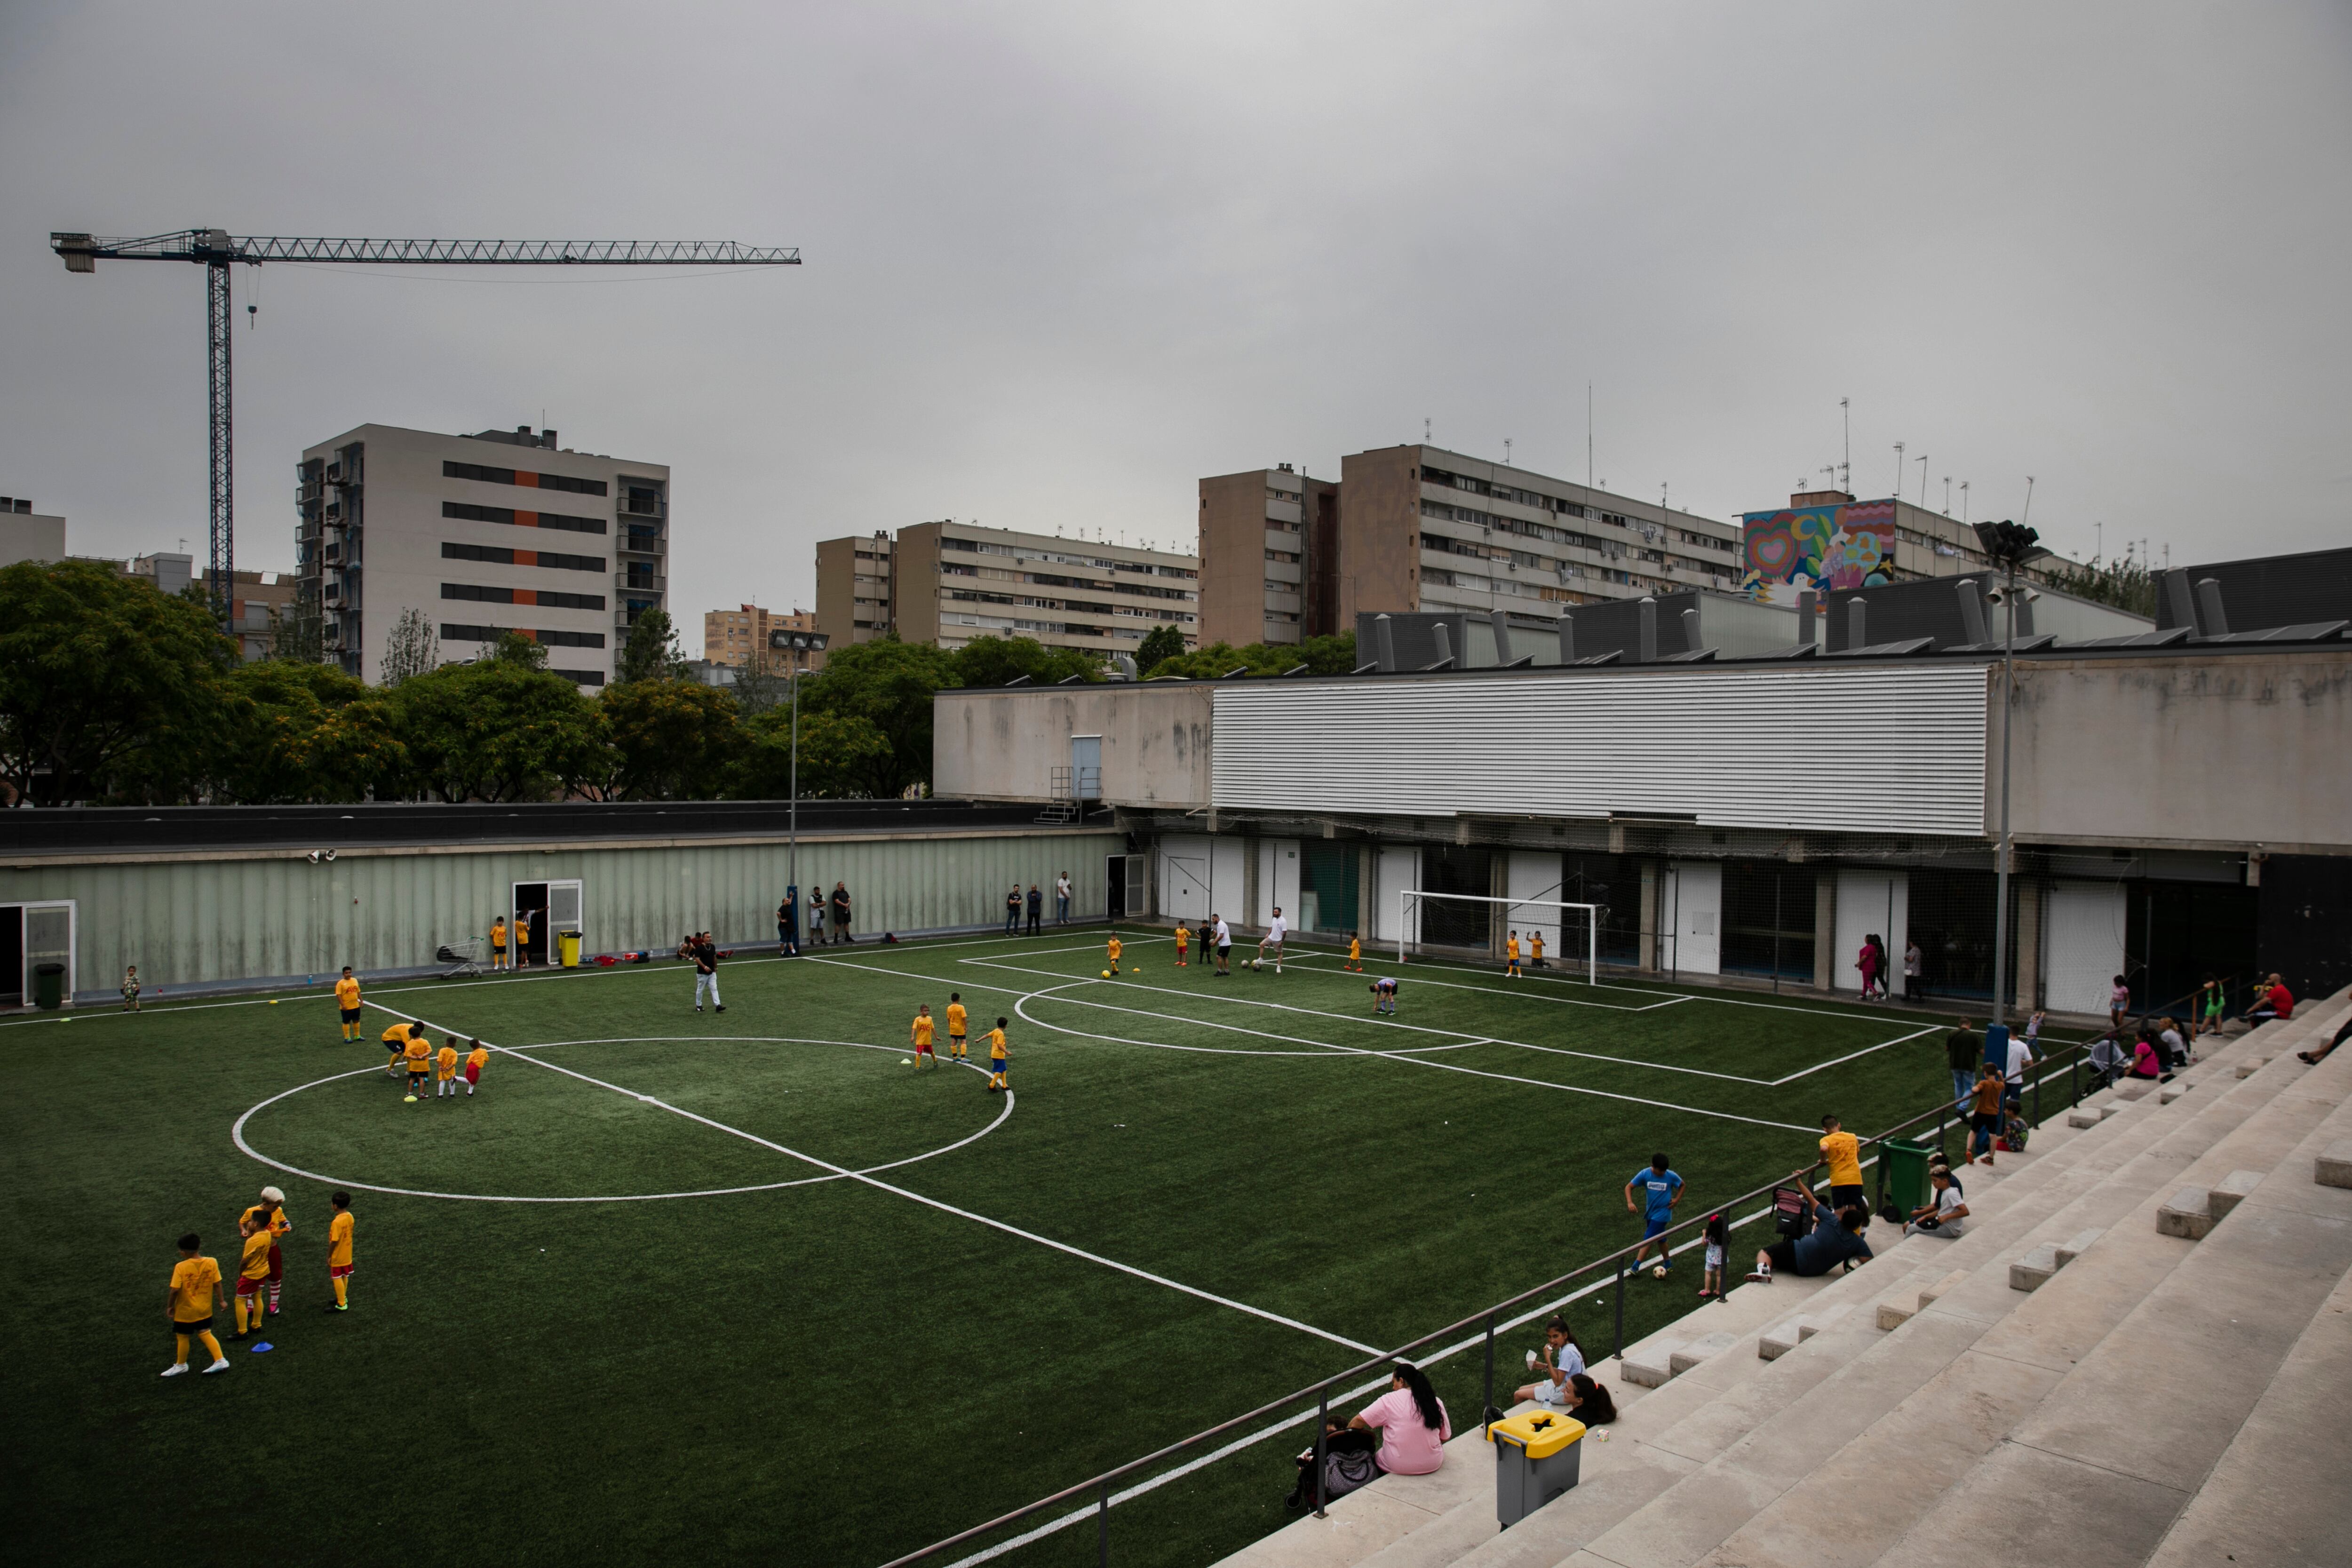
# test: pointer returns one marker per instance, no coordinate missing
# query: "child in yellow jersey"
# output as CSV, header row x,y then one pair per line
x,y
1184,943
474,1061
419,1053
497,943
347,999
188,1302
924,1055
1114,951
997,1058
1511,958
1535,938
271,1213
1354,952
956,1025
445,1074
252,1276
338,1250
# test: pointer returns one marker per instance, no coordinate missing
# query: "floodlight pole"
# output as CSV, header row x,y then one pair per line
x,y
794,644
2000,867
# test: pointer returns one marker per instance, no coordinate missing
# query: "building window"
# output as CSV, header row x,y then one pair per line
x,y
500,555
580,676
489,476
544,597
471,513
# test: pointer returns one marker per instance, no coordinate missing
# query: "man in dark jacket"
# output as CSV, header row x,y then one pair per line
x,y
840,913
1036,910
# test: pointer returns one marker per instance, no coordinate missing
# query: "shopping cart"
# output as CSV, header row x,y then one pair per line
x,y
465,957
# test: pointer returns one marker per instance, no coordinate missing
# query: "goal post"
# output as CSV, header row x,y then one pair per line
x,y
1567,928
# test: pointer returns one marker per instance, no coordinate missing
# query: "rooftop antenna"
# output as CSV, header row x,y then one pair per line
x,y
1923,484
1845,474
2098,539
1947,495
1587,434
1424,431
1507,451
2028,514
1899,470
1964,501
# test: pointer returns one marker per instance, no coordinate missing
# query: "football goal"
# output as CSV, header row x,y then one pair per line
x,y
1570,932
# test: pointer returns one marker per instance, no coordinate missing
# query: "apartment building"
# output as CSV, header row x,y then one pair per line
x,y
733,636
465,529
1269,556
949,582
29,535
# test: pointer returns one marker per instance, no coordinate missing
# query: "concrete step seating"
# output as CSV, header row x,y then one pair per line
x,y
1865,1391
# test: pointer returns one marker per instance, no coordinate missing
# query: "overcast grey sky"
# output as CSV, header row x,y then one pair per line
x,y
1061,261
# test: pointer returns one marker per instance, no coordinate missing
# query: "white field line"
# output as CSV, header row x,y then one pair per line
x,y
1854,1056
1021,1008
1500,990
932,1203
237,1133
1286,1423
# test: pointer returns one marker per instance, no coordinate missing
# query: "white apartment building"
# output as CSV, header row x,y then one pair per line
x,y
498,532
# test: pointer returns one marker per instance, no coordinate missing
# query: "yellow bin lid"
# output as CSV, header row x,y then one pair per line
x,y
1542,1433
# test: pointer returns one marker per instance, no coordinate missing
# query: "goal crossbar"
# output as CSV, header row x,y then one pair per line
x,y
1408,897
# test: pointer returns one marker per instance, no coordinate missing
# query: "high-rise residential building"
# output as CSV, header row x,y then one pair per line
x,y
1269,557
855,587
497,531
948,582
733,636
29,535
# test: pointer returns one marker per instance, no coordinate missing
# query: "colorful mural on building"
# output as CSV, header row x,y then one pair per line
x,y
1849,545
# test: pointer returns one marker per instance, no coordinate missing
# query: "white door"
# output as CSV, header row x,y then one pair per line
x,y
49,939
1183,872
1277,881
1534,874
1870,901
1694,906
563,911
1394,871
1225,880
2085,925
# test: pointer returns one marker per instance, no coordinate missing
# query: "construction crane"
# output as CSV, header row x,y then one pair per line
x,y
217,250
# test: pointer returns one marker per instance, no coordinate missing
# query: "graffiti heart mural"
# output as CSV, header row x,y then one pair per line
x,y
1851,545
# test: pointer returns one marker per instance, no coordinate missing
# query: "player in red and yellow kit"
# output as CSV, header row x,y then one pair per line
x,y
189,1304
270,1213
956,1025
474,1060
347,998
252,1275
997,1057
924,1055
1114,951
1184,943
338,1250
1354,952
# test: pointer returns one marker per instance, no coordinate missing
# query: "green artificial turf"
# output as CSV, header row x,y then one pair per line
x,y
834,1371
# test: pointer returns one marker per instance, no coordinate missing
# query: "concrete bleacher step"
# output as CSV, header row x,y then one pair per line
x,y
1719,1397
1819,1484
2331,1166
2146,1449
2032,1270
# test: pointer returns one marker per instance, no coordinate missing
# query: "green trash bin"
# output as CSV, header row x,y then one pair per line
x,y
49,986
1907,1172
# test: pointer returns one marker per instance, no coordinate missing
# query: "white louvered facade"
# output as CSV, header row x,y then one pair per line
x,y
1813,748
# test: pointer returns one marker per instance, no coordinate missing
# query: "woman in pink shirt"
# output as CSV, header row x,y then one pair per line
x,y
1411,1423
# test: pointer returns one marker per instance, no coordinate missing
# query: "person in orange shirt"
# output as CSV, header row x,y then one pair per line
x,y
1114,949
188,1302
444,1085
271,1213
956,1025
395,1043
998,1057
420,1061
1354,952
339,1251
347,998
1183,943
521,940
1511,959
497,943
252,1276
924,1055
476,1059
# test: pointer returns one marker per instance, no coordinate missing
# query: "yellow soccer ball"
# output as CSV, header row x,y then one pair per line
x,y
1106,974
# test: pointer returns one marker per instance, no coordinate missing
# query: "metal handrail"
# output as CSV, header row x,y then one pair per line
x,y
1321,1390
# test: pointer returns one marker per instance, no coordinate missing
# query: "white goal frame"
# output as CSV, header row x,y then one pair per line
x,y
1408,897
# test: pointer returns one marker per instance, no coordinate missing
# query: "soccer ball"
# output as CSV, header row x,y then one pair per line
x,y
1659,1272
1106,974
1254,964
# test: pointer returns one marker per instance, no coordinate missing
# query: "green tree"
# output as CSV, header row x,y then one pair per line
x,y
669,740
516,648
1165,642
106,685
291,732
841,754
889,684
298,633
410,650
994,661
498,730
1334,655
2128,584
652,652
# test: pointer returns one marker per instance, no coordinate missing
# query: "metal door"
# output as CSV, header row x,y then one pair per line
x,y
1086,767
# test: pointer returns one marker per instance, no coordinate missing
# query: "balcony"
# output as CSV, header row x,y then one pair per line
x,y
640,542
640,580
638,501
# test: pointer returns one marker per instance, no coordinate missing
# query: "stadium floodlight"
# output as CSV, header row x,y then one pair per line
x,y
796,643
1561,922
2009,545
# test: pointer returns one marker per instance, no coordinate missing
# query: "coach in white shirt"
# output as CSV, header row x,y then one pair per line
x,y
1222,941
1273,935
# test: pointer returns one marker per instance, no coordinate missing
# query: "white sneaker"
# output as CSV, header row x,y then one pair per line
x,y
220,1365
175,1369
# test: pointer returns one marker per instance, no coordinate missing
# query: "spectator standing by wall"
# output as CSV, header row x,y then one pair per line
x,y
1036,911
1012,911
1915,969
1866,961
1964,1054
788,924
816,916
1062,899
840,913
2118,1002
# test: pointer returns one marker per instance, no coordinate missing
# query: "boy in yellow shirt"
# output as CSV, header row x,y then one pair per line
x,y
998,1056
347,998
420,1062
1536,938
445,1073
339,1251
252,1276
1183,943
476,1059
1354,952
1511,958
270,1214
956,1025
1114,951
924,1055
497,943
188,1302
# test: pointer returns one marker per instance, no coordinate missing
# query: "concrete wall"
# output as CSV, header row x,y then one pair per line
x,y
2198,751
1005,745
31,536
1233,558
1379,531
204,918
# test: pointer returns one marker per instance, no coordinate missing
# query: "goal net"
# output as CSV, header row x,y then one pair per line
x,y
1450,923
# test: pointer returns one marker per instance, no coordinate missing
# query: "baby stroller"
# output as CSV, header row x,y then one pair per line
x,y
463,956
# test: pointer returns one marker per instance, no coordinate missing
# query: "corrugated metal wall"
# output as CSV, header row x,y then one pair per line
x,y
189,921
1869,749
